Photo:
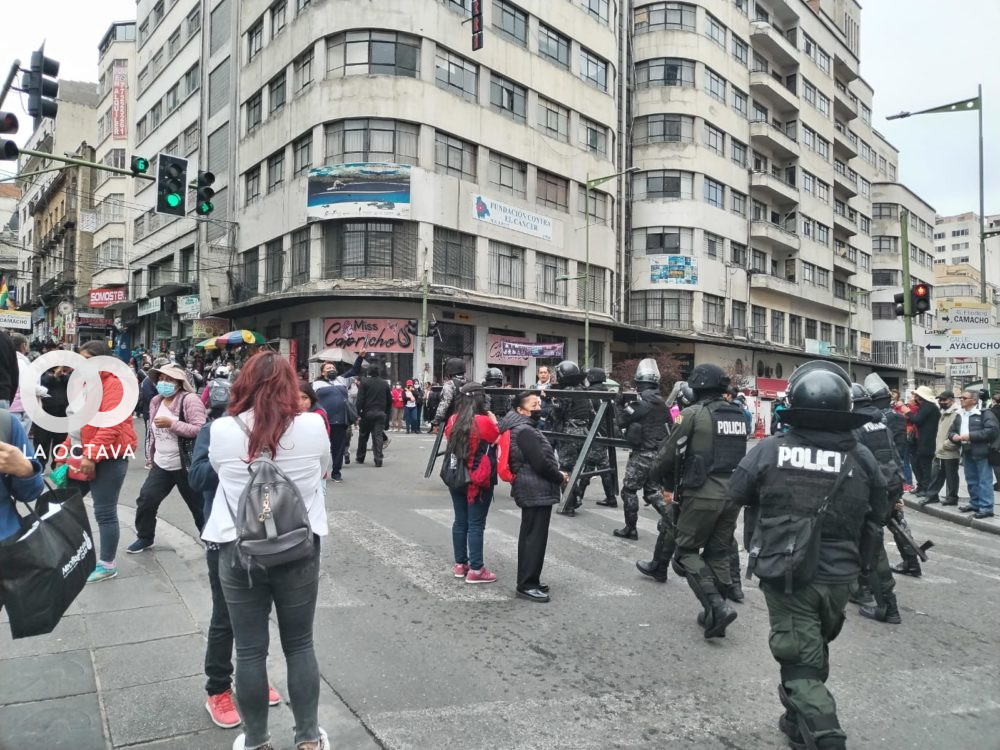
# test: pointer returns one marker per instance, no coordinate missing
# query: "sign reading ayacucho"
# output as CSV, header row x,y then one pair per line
x,y
382,335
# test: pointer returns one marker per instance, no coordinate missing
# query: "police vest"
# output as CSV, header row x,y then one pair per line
x,y
896,425
729,439
654,422
877,438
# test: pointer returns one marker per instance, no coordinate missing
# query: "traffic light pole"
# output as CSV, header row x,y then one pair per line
x,y
81,163
982,234
904,251
14,68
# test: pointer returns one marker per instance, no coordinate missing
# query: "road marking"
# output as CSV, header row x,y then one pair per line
x,y
333,593
598,541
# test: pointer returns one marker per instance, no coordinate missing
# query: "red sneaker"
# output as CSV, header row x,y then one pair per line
x,y
460,570
222,710
480,576
273,696
907,488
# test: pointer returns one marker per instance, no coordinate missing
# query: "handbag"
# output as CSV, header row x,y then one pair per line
x,y
45,566
454,472
184,444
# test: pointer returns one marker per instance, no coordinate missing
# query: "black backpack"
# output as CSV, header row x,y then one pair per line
x,y
218,394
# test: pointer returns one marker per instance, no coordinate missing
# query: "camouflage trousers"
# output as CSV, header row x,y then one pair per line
x,y
569,450
637,470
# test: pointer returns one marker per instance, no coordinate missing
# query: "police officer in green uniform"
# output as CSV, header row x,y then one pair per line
x,y
696,462
597,458
572,416
815,473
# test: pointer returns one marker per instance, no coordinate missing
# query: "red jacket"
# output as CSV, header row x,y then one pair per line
x,y
482,473
100,443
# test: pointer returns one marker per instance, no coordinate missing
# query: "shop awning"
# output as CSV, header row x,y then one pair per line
x,y
771,387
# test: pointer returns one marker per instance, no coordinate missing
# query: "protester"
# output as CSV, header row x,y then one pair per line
x,y
946,455
266,398
974,429
20,342
333,389
410,416
147,389
374,401
418,394
8,370
472,432
309,403
215,396
20,477
924,417
904,455
56,382
995,408
177,414
398,402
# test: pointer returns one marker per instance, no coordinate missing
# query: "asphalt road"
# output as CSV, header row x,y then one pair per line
x,y
615,660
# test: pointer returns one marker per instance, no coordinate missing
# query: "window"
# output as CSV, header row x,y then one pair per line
x,y
715,84
302,70
155,116
593,69
301,5
661,309
738,204
739,101
192,139
193,22
454,156
823,277
506,270
254,112
664,16
548,268
274,266
740,50
350,141
300,256
715,139
664,71
669,240
715,193
174,43
507,97
663,129
252,182
758,322
738,152
511,22
663,183
172,99
192,80
714,245
218,88
758,261
553,45
593,136
275,170
738,254
777,327
822,234
714,30
809,92
302,154
456,74
255,40
553,119
373,53
552,191
508,175
219,26
454,258
599,9
251,271
795,337
369,250
278,11
598,210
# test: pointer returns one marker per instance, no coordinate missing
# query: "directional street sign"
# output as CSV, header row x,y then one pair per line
x,y
964,343
963,369
965,317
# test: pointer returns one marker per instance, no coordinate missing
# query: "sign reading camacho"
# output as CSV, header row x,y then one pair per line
x,y
382,335
105,297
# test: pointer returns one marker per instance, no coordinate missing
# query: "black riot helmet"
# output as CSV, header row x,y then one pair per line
x,y
819,364
596,375
706,379
568,374
820,399
454,366
878,390
860,396
493,377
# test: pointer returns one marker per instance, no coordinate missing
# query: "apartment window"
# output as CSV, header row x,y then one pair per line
x,y
795,337
715,84
885,244
508,175
823,277
593,69
174,43
809,92
552,191
661,309
373,53
350,141
714,30
663,183
664,71
739,101
511,22
192,139
218,88
666,240
278,14
548,268
302,70
758,261
866,113
738,152
738,254
506,270
714,245
369,250
593,136
740,50
252,185
111,253
865,224
663,128
738,203
219,26
274,266
454,156
715,139
192,80
664,16
251,271
275,171
454,258
886,211
839,337
507,97
300,256
155,116
254,111
739,318
302,154
777,327
715,193
599,9
172,99
822,234
597,211
553,45
193,22
255,40
553,119
758,322
457,75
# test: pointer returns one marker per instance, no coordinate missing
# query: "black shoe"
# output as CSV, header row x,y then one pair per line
x,y
718,619
983,514
359,460
532,595
652,570
734,592
543,587
608,502
928,501
790,728
950,501
378,463
907,569
862,596
347,460
627,532
885,614
967,509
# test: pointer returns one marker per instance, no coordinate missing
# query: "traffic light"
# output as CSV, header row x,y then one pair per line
x,y
39,84
171,188
898,299
477,25
920,299
205,192
139,165
8,126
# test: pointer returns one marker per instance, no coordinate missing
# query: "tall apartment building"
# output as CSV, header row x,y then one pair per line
x,y
956,242
957,285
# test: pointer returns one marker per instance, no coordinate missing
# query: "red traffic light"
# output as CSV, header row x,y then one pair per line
x,y
921,290
8,122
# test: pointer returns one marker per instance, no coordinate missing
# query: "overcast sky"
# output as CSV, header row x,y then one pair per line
x,y
916,54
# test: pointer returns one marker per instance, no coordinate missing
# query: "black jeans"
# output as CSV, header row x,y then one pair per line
x,y
219,650
921,464
531,543
293,589
374,425
338,441
945,472
159,482
47,441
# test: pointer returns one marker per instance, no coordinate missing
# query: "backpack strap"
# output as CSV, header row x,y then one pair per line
x,y
246,430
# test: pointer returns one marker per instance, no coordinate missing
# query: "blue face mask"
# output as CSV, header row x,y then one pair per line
x,y
166,389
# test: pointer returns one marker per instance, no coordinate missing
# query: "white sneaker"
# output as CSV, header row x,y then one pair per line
x,y
240,743
322,744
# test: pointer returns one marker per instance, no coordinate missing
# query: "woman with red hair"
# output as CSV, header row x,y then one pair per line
x,y
265,397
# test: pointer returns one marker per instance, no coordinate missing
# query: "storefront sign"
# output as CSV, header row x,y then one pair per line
x,y
494,345
817,346
204,328
372,189
515,349
93,320
673,269
149,306
382,335
964,370
15,319
511,217
771,387
189,304
105,297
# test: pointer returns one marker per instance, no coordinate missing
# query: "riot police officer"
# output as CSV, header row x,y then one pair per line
x,y
454,370
597,457
818,479
572,416
645,423
495,403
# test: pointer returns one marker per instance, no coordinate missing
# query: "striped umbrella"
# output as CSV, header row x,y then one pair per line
x,y
233,338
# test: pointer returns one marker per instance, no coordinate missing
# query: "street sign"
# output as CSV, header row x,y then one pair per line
x,y
948,304
958,343
964,370
966,317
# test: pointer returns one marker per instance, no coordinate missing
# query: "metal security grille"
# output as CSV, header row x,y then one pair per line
x,y
369,250
454,258
506,270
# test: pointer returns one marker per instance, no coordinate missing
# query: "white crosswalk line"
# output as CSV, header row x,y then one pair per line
x,y
598,541
334,594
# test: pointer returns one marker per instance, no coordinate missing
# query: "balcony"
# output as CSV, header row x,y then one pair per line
x,y
774,188
842,261
844,222
845,69
845,105
845,143
845,180
780,142
761,280
764,36
110,277
61,280
769,87
777,236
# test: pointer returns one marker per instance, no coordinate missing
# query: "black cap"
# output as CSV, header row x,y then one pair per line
x,y
945,394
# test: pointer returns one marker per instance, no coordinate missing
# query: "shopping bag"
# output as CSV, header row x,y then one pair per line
x,y
44,567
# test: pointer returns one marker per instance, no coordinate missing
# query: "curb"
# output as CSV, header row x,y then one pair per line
x,y
963,519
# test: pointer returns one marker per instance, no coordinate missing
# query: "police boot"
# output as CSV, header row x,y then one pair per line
x,y
719,617
627,531
608,502
887,611
863,596
734,591
657,567
908,567
788,724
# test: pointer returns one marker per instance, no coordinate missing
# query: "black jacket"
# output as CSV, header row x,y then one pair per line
x,y
926,420
201,475
8,368
537,479
374,397
58,398
983,429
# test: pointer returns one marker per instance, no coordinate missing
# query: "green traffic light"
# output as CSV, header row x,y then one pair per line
x,y
173,200
205,208
142,165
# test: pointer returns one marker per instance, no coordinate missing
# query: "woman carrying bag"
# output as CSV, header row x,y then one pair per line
x,y
470,472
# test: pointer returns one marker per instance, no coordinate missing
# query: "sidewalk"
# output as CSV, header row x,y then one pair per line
x,y
950,513
124,668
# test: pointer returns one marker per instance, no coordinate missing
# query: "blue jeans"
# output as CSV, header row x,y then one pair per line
x,y
104,489
467,530
410,416
904,458
979,477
